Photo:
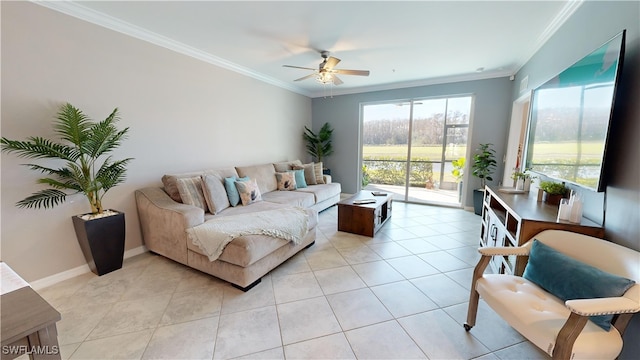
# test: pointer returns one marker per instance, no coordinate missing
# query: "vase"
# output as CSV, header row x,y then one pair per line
x,y
101,241
520,184
527,185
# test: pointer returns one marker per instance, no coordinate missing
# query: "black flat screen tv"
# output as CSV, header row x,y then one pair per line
x,y
570,117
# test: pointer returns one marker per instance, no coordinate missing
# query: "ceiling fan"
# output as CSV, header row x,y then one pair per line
x,y
326,74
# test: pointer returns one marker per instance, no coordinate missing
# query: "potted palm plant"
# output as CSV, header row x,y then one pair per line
x,y
88,169
319,145
484,164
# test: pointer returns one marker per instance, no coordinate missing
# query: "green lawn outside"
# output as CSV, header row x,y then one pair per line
x,y
544,151
590,150
433,152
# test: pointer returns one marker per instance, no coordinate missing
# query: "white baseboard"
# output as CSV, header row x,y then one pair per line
x,y
83,269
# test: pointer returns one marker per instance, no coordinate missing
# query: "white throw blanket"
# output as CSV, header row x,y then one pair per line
x,y
212,236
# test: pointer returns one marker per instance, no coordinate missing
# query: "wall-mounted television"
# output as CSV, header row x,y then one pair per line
x,y
570,117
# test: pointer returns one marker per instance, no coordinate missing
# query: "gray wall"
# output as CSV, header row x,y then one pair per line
x,y
591,25
184,115
489,123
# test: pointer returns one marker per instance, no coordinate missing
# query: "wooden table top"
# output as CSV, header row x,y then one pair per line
x,y
24,311
365,194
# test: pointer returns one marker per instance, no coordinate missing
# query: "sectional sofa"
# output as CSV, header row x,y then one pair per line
x,y
167,221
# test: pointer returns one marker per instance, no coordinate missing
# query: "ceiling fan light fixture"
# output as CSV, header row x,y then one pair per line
x,y
324,78
326,72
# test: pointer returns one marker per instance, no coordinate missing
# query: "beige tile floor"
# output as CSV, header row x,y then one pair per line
x,y
400,295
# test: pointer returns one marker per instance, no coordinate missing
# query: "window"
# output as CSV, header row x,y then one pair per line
x,y
408,147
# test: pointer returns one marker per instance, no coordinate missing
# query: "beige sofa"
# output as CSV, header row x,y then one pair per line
x,y
164,220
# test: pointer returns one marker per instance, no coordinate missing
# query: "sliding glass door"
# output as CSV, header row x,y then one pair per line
x,y
408,147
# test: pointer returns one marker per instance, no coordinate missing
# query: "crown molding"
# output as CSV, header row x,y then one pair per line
x,y
98,18
567,11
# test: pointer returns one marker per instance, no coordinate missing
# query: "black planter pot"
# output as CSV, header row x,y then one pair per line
x,y
102,241
478,197
326,171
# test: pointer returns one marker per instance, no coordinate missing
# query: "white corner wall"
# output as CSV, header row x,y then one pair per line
x,y
183,115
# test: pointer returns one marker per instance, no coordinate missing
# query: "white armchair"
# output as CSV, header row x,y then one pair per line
x,y
561,329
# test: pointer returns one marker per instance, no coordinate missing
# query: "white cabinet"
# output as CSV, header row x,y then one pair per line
x,y
513,219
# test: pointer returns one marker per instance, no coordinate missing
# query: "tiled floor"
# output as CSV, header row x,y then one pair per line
x,y
400,295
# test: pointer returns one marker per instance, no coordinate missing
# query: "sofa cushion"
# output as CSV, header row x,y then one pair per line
x,y
309,173
171,187
317,169
322,192
191,193
246,250
286,165
249,191
286,181
170,183
293,198
232,191
265,176
214,193
299,177
569,279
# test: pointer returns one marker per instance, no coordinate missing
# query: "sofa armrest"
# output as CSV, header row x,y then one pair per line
x,y
504,251
327,179
164,221
603,306
191,215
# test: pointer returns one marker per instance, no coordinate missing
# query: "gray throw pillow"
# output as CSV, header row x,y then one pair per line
x,y
214,193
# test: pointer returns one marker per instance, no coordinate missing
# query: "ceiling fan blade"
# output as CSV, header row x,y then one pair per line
x,y
352,72
336,80
298,67
330,63
305,77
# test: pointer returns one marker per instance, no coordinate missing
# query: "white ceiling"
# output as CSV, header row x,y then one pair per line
x,y
401,43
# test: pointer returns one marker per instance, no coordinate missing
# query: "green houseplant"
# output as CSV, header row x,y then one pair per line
x,y
89,170
458,168
483,166
522,179
458,174
553,191
319,145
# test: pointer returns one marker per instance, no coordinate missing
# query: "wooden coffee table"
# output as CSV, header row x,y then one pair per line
x,y
364,219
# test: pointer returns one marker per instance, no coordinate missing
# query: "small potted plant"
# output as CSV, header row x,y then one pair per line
x,y
87,169
458,174
553,192
522,180
319,145
484,164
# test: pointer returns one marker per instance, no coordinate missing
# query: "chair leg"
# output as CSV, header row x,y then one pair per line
x,y
472,312
568,335
621,321
474,297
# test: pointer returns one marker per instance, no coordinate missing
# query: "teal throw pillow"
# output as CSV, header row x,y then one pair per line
x,y
232,191
570,279
299,175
